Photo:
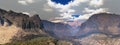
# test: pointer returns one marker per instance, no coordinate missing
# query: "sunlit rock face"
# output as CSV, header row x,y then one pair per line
x,y
63,2
8,32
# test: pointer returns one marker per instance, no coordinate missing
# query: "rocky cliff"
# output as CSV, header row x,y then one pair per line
x,y
17,26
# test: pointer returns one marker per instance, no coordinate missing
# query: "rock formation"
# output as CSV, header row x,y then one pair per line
x,y
17,26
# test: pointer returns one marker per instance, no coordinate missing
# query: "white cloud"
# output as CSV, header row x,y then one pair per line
x,y
26,13
22,2
66,15
100,10
96,3
89,12
30,1
47,8
66,10
26,2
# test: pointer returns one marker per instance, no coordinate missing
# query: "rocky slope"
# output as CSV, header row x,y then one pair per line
x,y
99,29
7,33
57,30
101,23
97,39
17,26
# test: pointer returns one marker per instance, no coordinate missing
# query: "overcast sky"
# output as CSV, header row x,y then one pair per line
x,y
47,11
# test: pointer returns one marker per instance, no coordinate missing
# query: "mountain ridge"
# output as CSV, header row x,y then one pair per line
x,y
22,27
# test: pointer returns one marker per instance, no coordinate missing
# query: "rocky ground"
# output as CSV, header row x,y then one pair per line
x,y
98,39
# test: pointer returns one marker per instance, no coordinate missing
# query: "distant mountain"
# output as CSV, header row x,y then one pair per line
x,y
97,27
59,30
102,23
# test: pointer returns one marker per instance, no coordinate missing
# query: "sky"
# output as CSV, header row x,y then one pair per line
x,y
63,2
52,9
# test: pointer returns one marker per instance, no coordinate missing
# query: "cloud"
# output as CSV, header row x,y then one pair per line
x,y
26,13
47,8
66,11
30,1
22,2
89,12
96,3
64,8
26,2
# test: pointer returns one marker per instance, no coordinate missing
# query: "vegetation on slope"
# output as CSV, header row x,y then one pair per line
x,y
41,41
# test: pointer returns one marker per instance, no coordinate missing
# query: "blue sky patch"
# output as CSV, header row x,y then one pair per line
x,y
63,2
